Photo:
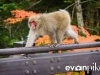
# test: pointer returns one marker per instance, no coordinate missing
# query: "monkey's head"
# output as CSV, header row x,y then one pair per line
x,y
33,21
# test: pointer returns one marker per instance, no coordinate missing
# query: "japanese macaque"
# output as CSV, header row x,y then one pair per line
x,y
56,25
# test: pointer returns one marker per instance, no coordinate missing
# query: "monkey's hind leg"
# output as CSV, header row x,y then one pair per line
x,y
59,37
71,34
53,40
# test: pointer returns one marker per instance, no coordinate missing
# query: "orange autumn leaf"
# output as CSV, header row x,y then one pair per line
x,y
75,28
82,73
19,15
69,73
85,31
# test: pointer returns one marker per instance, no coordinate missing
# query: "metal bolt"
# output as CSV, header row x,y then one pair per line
x,y
51,60
97,50
58,60
51,69
34,62
58,68
27,72
34,71
91,50
26,63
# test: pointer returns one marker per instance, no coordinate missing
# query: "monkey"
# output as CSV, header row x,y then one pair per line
x,y
55,24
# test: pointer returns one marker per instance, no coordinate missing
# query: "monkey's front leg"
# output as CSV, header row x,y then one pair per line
x,y
30,40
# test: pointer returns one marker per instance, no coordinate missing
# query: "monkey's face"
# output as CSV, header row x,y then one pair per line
x,y
33,21
32,24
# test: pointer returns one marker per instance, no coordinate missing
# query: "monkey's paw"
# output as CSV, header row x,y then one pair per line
x,y
54,45
76,42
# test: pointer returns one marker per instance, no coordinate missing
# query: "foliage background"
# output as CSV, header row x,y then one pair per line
x,y
15,31
14,15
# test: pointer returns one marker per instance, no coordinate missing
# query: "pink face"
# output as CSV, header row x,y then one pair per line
x,y
32,24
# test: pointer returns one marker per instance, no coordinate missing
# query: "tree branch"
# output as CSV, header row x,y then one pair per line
x,y
69,6
73,11
91,29
33,4
75,4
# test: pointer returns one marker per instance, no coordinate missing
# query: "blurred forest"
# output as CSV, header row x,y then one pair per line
x,y
17,31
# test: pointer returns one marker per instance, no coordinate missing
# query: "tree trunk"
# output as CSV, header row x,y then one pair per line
x,y
79,13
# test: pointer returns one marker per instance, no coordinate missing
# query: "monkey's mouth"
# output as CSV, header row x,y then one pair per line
x,y
32,24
